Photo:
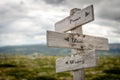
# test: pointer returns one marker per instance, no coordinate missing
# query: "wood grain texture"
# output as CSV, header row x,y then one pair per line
x,y
76,41
80,73
78,18
86,60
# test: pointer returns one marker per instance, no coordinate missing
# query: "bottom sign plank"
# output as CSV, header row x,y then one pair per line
x,y
88,59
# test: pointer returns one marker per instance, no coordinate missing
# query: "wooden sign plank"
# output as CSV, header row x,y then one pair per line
x,y
76,41
79,18
87,60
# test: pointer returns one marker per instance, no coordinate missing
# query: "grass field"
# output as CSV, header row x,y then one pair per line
x,y
21,67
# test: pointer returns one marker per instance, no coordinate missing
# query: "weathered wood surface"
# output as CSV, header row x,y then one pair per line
x,y
78,18
86,60
76,41
80,73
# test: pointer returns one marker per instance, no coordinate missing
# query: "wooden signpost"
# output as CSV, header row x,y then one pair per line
x,y
83,46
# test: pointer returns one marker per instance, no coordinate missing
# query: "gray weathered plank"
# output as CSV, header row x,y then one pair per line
x,y
78,18
86,60
76,41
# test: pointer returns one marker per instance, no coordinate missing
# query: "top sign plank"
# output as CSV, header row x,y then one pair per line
x,y
79,18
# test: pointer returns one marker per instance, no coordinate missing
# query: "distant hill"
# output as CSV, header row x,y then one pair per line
x,y
43,49
30,49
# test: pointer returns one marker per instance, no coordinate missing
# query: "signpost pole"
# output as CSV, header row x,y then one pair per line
x,y
77,74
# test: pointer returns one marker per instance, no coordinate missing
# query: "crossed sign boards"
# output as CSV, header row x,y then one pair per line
x,y
76,41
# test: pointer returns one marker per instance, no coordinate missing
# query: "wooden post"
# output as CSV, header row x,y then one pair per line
x,y
77,74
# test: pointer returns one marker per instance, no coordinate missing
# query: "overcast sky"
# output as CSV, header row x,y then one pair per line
x,y
26,21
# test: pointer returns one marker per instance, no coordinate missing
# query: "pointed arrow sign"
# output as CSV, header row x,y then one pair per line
x,y
69,40
87,60
79,18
